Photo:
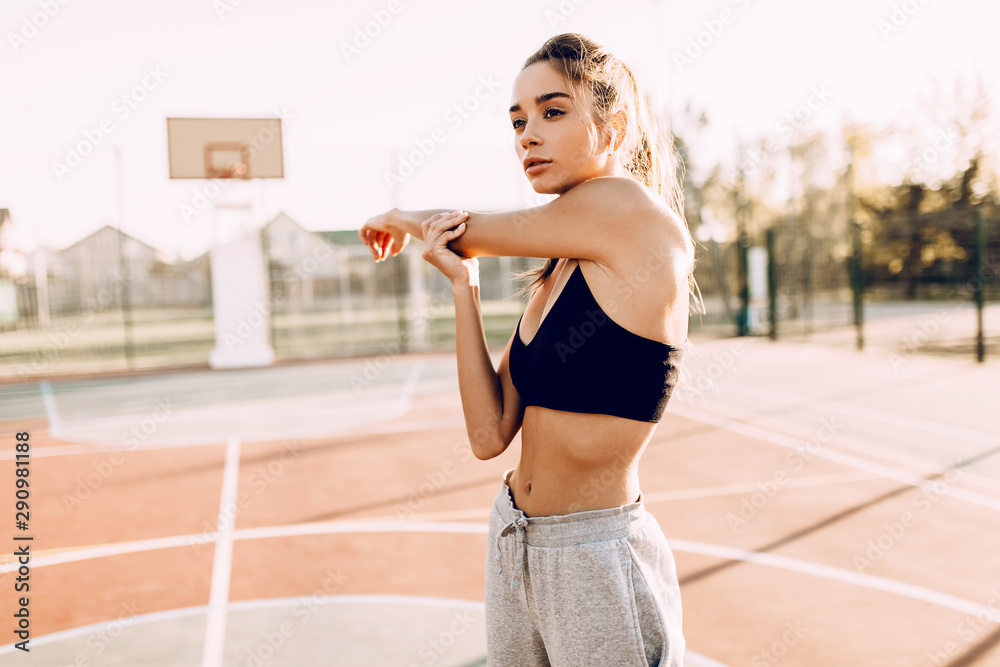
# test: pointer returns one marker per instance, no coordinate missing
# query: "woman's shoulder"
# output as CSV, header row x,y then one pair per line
x,y
627,192
646,207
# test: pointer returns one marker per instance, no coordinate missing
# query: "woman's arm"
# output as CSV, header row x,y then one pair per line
x,y
388,233
603,219
409,221
490,403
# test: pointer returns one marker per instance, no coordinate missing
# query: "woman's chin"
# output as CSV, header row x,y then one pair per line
x,y
543,189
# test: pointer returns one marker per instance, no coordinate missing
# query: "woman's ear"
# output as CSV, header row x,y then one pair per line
x,y
619,128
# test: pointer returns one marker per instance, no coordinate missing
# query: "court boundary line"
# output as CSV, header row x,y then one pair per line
x,y
883,584
215,627
765,434
51,409
691,657
883,416
399,403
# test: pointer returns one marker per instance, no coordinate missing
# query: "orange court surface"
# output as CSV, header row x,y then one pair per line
x,y
826,507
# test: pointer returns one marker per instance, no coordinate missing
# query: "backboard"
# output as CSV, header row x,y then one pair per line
x,y
208,148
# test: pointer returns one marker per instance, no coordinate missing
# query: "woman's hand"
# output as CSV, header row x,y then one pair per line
x,y
383,237
438,231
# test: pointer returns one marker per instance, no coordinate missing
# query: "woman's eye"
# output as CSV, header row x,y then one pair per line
x,y
551,112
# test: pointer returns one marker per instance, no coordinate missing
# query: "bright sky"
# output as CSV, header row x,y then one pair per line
x,y
870,59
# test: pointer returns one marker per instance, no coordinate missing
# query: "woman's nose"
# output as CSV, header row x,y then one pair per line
x,y
529,137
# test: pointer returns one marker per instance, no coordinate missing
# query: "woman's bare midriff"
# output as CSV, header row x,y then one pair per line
x,y
573,462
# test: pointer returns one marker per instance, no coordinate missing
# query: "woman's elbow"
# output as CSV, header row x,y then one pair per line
x,y
488,443
487,449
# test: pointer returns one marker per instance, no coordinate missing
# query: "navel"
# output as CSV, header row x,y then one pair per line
x,y
529,487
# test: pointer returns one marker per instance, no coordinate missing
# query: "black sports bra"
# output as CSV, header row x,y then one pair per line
x,y
581,360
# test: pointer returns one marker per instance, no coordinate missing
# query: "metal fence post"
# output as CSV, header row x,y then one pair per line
x,y
772,305
125,300
743,315
980,283
857,282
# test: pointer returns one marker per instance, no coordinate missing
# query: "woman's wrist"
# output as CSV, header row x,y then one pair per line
x,y
465,286
405,222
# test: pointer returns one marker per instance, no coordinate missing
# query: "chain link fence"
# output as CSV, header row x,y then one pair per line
x,y
916,276
109,303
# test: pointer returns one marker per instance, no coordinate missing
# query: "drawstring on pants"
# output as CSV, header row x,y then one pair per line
x,y
519,523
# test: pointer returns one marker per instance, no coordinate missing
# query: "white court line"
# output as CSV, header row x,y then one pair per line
x,y
686,546
412,381
905,459
690,657
394,427
64,431
885,417
798,444
51,411
752,487
451,517
215,630
836,574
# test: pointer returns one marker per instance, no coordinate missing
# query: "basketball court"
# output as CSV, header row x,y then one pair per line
x,y
825,507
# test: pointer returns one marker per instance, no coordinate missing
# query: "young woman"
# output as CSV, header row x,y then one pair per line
x,y
578,572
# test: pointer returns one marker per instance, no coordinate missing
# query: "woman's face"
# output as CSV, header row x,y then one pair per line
x,y
549,126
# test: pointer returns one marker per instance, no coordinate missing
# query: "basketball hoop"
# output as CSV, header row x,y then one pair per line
x,y
209,148
227,159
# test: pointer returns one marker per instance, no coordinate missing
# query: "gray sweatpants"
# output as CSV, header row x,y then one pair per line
x,y
596,588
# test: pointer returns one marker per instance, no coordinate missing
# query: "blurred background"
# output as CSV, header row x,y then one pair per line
x,y
836,159
827,468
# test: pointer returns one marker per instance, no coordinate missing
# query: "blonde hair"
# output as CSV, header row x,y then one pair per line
x,y
592,68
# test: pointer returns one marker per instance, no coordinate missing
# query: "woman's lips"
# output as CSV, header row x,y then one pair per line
x,y
537,167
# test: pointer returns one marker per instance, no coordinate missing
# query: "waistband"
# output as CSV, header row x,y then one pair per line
x,y
561,530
